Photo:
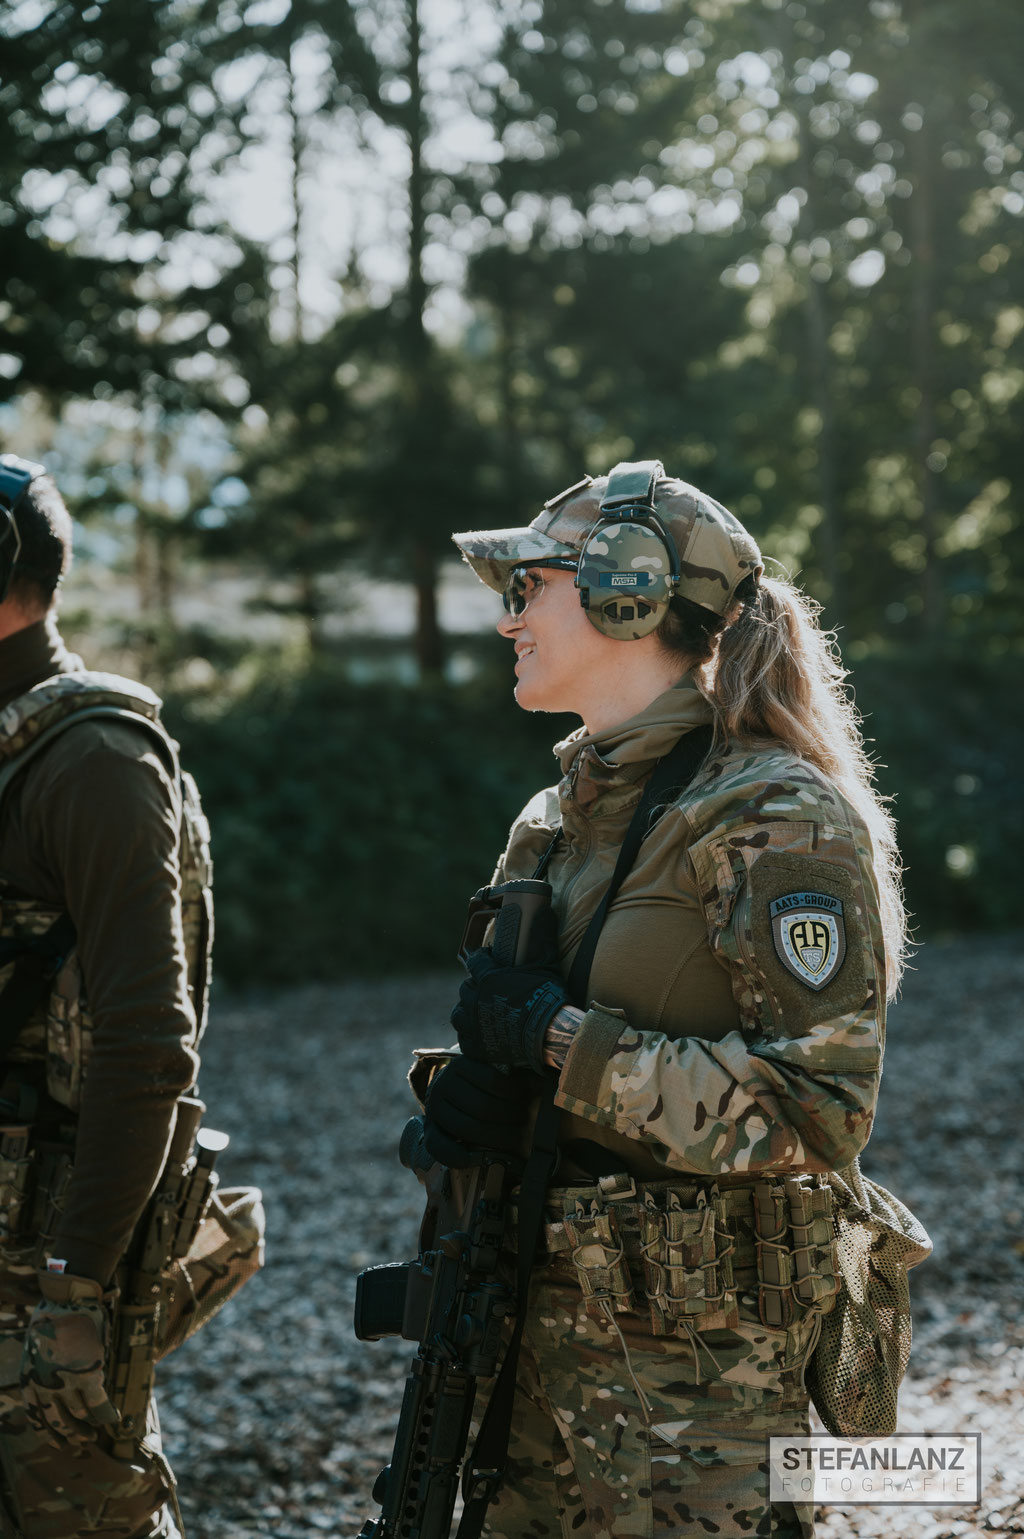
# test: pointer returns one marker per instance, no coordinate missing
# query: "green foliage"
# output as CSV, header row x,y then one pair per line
x,y
109,120
949,737
787,272
351,824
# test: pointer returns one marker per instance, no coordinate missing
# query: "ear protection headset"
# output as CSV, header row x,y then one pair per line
x,y
628,567
16,475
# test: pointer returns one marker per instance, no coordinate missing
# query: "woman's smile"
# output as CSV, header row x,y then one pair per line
x,y
555,644
563,663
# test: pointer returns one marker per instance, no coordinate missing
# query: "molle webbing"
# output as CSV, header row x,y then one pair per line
x,y
36,962
683,1250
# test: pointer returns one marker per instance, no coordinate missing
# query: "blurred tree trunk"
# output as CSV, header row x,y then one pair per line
x,y
922,227
297,143
165,535
153,559
310,609
819,371
511,441
429,639
821,395
166,581
309,604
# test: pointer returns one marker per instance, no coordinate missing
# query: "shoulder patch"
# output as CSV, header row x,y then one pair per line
x,y
809,935
811,974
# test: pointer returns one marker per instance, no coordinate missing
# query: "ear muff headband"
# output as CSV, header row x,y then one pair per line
x,y
16,475
628,567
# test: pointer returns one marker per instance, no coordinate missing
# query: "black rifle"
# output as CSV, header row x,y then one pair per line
x,y
451,1299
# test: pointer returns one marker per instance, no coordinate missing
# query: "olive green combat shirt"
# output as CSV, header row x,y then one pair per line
x,y
707,1046
93,827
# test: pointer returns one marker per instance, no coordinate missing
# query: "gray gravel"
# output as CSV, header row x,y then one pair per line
x,y
277,1420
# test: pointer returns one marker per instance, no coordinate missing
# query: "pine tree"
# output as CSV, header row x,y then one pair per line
x,y
106,114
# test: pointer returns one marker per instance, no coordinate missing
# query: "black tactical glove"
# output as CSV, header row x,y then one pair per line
x,y
473,1108
503,1012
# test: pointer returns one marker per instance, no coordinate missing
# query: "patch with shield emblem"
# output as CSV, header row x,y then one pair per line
x,y
809,936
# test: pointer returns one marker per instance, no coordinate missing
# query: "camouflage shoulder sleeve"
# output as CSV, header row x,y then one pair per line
x,y
530,834
785,876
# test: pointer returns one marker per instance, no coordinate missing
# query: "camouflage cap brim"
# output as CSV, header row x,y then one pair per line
x,y
714,550
493,553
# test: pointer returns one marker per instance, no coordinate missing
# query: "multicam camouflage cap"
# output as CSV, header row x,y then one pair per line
x,y
715,551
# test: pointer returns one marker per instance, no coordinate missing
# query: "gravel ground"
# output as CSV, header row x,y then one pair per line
x,y
277,1420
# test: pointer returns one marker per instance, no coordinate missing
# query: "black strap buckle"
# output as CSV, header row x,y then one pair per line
x,y
481,1484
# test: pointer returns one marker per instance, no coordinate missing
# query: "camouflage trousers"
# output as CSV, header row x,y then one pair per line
x,y
618,1434
51,1492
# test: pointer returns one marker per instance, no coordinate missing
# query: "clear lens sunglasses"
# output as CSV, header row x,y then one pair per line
x,y
522,587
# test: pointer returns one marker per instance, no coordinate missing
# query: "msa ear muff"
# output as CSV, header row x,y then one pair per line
x,y
628,567
16,475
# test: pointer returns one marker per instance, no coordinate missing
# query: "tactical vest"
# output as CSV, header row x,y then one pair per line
x,y
37,938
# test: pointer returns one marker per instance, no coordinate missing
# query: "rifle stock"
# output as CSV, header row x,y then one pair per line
x,y
166,1230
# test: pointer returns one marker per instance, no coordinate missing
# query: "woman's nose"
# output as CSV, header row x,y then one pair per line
x,y
508,624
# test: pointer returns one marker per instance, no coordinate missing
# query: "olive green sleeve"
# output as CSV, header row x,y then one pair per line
x,y
104,814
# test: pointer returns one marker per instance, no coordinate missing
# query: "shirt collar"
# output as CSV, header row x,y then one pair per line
x,y
31,655
647,736
601,769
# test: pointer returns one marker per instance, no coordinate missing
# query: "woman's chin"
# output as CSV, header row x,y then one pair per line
x,y
528,696
532,698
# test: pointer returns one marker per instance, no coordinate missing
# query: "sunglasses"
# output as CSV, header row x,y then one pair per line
x,y
524,585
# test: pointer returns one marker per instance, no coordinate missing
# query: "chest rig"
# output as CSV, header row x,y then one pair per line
x,y
45,1018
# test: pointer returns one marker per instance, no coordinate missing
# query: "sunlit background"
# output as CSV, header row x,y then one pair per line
x,y
290,291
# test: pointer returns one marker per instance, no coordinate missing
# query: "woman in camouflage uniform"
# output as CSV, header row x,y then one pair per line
x,y
726,1055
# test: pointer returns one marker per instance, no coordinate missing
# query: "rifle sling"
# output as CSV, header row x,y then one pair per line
x,y
486,1467
670,777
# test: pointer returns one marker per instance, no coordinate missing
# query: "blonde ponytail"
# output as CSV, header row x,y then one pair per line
x,y
776,675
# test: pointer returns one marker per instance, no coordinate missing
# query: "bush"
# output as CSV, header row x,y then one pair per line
x,y
351,823
949,734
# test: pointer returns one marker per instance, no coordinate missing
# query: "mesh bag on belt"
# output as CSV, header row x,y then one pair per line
x,y
226,1252
862,1353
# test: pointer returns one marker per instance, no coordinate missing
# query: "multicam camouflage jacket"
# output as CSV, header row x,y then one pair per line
x,y
735,1013
60,1030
